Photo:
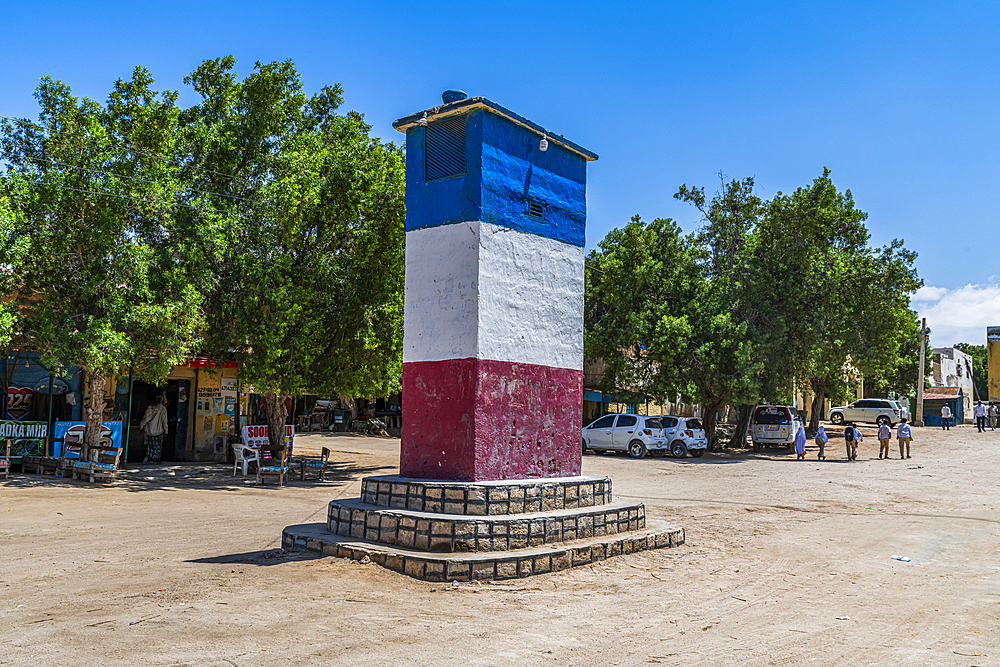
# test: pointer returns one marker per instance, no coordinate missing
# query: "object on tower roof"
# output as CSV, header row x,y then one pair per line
x,y
451,96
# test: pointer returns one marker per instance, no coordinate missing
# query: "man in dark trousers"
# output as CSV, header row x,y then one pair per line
x,y
979,412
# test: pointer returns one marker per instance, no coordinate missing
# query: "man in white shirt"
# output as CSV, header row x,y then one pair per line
x,y
992,414
945,417
905,435
884,434
979,412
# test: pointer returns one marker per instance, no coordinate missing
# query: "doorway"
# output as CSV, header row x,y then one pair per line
x,y
176,393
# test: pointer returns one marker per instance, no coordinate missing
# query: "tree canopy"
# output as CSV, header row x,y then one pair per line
x,y
765,296
308,260
99,278
260,224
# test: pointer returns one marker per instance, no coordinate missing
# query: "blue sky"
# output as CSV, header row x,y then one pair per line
x,y
899,100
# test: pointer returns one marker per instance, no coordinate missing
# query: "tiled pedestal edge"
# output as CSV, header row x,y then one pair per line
x,y
511,565
462,533
486,498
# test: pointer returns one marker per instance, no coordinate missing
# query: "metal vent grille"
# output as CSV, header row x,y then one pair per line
x,y
536,210
444,149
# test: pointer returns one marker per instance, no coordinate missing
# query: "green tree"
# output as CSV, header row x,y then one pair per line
x,y
764,296
664,311
851,309
635,285
724,365
307,253
100,279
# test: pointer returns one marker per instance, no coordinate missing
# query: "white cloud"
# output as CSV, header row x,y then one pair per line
x,y
959,315
928,293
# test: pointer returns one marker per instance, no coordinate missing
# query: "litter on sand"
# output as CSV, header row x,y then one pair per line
x,y
901,558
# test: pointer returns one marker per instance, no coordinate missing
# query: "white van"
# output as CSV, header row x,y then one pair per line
x,y
774,425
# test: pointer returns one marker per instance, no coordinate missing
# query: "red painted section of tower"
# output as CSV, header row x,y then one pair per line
x,y
477,419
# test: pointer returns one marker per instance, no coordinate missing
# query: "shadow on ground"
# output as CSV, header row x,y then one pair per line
x,y
264,557
207,476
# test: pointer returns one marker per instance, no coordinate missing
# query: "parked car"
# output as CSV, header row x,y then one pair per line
x,y
639,435
774,425
869,410
685,435
636,434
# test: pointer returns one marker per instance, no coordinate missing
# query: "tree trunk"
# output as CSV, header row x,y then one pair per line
x,y
819,398
348,403
274,408
739,438
708,420
95,411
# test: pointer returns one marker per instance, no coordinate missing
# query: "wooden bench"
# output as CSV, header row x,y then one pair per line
x,y
319,465
104,464
43,465
70,453
5,461
267,468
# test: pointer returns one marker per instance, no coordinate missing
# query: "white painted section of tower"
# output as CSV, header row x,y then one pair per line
x,y
531,299
440,298
479,290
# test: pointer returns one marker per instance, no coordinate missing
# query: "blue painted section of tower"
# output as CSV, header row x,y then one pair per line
x,y
515,172
447,200
506,174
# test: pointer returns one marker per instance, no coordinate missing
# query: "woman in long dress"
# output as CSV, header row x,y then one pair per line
x,y
821,440
800,443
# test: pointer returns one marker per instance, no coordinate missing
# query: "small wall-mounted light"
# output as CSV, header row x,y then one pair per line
x,y
423,119
543,145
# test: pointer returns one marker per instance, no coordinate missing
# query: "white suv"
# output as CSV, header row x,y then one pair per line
x,y
636,434
774,425
871,410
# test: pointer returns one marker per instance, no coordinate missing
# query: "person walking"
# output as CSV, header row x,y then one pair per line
x,y
852,437
884,434
945,417
154,425
821,440
905,435
800,444
979,412
994,415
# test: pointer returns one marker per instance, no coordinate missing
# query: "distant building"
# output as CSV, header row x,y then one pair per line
x,y
993,362
953,368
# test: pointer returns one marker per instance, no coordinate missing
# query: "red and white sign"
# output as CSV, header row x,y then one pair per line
x,y
255,436
19,401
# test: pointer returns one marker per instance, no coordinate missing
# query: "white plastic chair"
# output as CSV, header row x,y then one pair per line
x,y
245,456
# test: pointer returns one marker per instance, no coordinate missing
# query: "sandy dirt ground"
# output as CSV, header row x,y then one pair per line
x,y
786,563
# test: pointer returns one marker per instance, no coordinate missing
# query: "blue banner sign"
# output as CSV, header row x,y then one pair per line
x,y
72,432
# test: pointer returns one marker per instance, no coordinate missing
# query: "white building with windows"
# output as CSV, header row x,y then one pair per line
x,y
953,368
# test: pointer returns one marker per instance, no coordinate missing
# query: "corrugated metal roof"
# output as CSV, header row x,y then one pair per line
x,y
468,104
942,393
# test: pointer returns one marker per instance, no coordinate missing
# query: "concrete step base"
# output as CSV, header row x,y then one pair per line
x,y
441,533
519,563
486,498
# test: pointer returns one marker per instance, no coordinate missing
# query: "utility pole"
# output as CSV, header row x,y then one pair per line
x,y
919,421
